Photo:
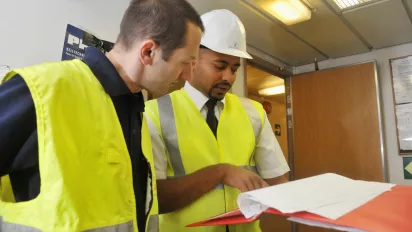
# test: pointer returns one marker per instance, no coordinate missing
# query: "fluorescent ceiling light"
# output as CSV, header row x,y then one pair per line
x,y
272,90
348,4
288,11
408,139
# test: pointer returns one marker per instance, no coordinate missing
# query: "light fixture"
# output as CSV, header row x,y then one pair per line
x,y
272,90
348,4
408,139
288,11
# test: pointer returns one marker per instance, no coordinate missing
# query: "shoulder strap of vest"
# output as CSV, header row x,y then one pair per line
x,y
256,115
169,134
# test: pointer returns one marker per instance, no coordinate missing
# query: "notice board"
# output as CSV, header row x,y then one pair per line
x,y
401,73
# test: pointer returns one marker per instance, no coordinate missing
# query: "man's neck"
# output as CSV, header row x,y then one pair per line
x,y
116,59
198,89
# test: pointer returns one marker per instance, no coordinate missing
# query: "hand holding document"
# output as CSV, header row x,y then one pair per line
x,y
328,195
329,201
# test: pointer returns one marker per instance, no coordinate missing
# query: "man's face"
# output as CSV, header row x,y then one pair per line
x,y
214,73
161,73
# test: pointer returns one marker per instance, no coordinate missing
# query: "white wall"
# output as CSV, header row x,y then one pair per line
x,y
382,56
239,86
33,32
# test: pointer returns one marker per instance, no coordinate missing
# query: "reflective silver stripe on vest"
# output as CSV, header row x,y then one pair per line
x,y
153,224
168,126
11,227
125,227
254,117
220,186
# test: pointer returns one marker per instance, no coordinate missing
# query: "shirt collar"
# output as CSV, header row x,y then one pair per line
x,y
105,72
197,97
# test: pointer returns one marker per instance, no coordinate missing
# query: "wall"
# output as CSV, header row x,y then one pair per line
x,y
382,56
277,116
33,31
239,86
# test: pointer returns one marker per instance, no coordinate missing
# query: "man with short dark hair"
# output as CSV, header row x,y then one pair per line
x,y
74,127
210,145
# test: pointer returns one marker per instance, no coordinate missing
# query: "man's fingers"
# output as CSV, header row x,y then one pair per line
x,y
259,183
264,184
249,184
243,188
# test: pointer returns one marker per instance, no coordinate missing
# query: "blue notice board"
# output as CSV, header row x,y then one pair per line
x,y
76,40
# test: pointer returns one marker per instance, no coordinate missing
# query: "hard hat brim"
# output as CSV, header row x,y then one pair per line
x,y
232,52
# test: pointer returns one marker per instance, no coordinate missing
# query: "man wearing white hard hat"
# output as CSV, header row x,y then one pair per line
x,y
210,145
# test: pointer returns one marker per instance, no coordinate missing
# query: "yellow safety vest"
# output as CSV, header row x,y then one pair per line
x,y
84,164
191,146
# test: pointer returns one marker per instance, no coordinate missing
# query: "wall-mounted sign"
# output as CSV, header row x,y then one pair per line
x,y
278,131
401,72
76,40
407,168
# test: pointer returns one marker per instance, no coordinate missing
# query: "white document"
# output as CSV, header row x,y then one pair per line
x,y
369,191
329,195
404,117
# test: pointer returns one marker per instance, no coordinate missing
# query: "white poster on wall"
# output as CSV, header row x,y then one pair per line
x,y
4,69
402,80
404,117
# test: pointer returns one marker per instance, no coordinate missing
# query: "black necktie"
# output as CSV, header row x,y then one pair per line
x,y
211,118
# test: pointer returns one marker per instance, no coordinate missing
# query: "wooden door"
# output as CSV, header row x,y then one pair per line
x,y
337,125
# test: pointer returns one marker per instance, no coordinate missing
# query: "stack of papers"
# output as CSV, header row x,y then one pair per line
x,y
328,195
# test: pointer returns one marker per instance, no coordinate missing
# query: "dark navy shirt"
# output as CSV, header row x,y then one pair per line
x,y
18,131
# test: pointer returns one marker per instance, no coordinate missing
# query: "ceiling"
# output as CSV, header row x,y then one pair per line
x,y
330,33
258,79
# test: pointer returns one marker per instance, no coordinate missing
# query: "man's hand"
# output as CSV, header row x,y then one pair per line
x,y
242,179
177,193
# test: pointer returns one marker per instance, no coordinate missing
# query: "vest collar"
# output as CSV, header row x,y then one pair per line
x,y
105,72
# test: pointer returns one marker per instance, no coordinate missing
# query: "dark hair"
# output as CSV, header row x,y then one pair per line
x,y
163,21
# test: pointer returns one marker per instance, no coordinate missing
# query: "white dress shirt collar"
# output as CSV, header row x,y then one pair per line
x,y
197,97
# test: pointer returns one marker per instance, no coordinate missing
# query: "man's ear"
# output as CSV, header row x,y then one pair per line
x,y
147,52
193,68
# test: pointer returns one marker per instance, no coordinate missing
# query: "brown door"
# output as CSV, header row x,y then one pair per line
x,y
336,124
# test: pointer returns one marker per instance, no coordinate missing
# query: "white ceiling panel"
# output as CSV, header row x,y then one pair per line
x,y
329,34
263,34
383,24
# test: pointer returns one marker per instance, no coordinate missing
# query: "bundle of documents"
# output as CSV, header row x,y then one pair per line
x,y
329,201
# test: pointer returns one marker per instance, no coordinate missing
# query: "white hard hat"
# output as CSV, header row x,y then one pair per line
x,y
224,33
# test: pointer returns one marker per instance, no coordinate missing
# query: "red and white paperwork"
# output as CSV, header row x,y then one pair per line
x,y
330,201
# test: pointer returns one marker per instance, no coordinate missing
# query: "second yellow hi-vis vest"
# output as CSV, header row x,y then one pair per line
x,y
191,146
84,164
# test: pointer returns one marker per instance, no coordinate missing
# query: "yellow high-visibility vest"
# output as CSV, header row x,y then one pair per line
x,y
84,164
191,146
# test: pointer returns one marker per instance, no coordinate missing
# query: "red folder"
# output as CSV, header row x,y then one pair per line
x,y
389,212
